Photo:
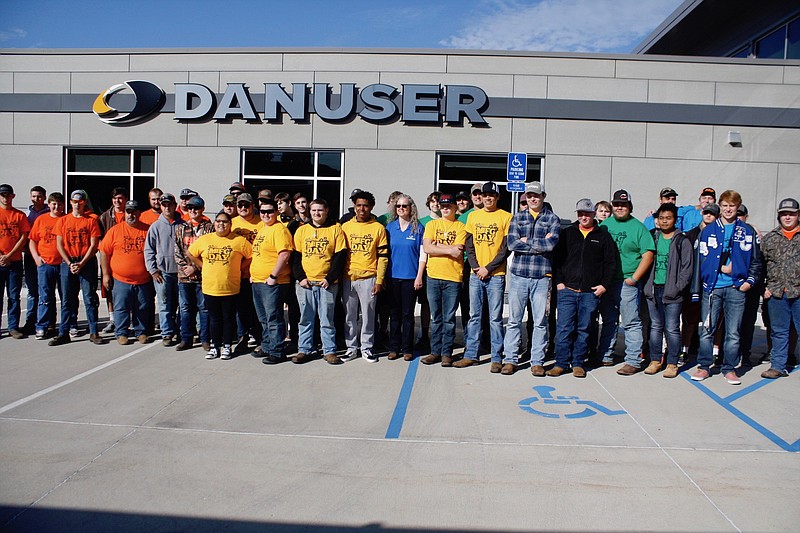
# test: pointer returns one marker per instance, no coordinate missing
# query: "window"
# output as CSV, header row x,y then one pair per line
x,y
793,40
773,45
316,174
100,170
459,172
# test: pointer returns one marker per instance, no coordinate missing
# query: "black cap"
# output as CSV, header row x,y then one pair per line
x,y
355,192
446,199
621,196
668,192
132,204
167,197
742,211
489,187
6,189
712,208
462,195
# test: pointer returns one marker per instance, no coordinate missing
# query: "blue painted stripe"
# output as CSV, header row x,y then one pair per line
x,y
724,403
399,415
754,387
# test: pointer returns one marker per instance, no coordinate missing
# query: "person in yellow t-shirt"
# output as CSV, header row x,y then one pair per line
x,y
367,262
270,276
487,232
246,225
318,263
223,257
443,241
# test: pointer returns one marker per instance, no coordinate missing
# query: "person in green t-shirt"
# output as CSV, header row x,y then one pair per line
x,y
635,248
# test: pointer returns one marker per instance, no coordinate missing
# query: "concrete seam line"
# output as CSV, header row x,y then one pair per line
x,y
672,459
71,380
378,439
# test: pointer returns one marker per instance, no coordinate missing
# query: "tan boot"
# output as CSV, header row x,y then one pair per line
x,y
671,371
653,368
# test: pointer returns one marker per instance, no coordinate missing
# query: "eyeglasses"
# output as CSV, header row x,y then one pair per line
x,y
266,211
243,204
404,206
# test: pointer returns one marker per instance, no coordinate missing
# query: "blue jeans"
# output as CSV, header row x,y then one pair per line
x,y
246,318
48,281
782,312
32,282
136,300
520,291
490,291
621,304
316,301
665,321
731,300
167,293
443,301
11,283
268,301
574,319
84,281
191,303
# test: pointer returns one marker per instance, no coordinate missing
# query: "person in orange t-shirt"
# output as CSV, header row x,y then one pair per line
x,y
77,236
152,214
44,252
122,258
14,229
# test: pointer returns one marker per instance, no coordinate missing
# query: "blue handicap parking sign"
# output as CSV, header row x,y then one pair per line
x,y
517,167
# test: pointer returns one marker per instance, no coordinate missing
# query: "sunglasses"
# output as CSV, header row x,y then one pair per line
x,y
403,205
266,211
192,208
222,221
129,211
243,204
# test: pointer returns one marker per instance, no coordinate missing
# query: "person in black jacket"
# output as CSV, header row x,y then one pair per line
x,y
584,264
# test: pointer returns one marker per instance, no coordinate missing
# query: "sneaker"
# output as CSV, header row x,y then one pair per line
x,y
555,372
578,372
212,353
331,359
496,368
681,359
183,345
39,334
73,332
110,327
508,369
447,361
773,374
431,359
97,339
369,357
671,371
732,378
124,341
408,357
349,356
301,358
652,368
538,371
144,339
17,334
225,352
700,375
465,362
627,370
59,340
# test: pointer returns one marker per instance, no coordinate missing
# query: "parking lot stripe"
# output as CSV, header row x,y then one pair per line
x,y
399,415
73,379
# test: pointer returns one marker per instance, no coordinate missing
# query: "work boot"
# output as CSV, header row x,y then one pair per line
x,y
464,363
431,359
496,368
447,361
538,371
671,371
653,368
628,370
508,369
555,372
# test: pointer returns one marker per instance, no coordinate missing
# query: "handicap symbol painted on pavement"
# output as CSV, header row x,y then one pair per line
x,y
546,397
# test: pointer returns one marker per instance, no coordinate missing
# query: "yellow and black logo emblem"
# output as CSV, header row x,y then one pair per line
x,y
148,98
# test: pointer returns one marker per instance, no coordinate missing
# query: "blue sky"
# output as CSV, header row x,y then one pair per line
x,y
538,25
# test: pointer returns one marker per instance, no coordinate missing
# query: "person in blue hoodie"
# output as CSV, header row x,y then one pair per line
x,y
730,264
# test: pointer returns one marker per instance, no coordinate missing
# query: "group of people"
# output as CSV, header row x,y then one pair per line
x,y
228,280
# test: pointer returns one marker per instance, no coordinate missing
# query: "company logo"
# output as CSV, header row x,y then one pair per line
x,y
148,99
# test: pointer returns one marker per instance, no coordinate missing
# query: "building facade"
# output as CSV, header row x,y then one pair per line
x,y
324,122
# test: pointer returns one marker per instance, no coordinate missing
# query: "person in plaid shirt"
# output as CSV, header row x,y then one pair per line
x,y
532,236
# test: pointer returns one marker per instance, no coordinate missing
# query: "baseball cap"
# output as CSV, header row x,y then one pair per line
x,y
477,187
742,211
621,196
788,204
132,204
711,208
585,204
187,193
6,189
167,197
229,199
196,201
667,192
489,187
708,191
462,195
78,194
237,186
245,197
534,187
446,199
354,192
